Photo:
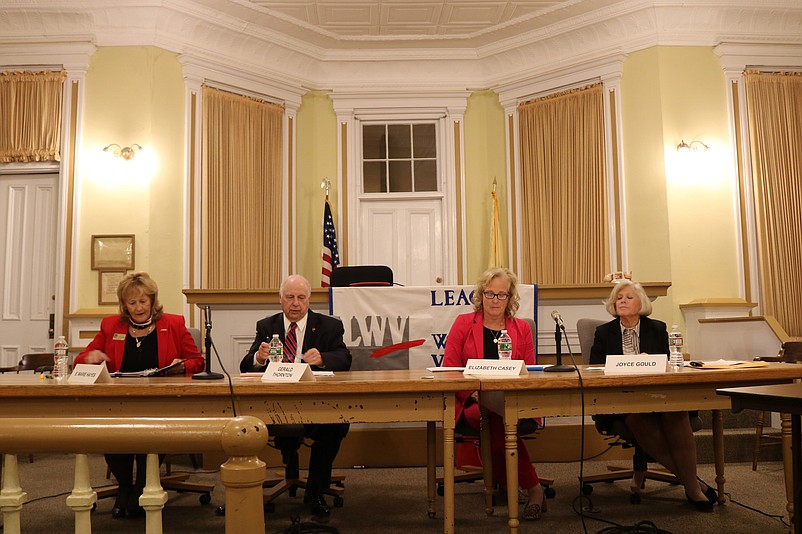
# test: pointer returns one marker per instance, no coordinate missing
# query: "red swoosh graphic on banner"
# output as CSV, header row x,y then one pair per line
x,y
384,351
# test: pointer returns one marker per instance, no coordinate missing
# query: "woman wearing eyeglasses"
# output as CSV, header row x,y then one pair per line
x,y
475,335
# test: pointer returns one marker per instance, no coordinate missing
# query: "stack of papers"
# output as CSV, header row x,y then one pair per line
x,y
725,364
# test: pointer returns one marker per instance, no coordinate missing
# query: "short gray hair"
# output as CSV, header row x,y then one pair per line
x,y
295,277
645,303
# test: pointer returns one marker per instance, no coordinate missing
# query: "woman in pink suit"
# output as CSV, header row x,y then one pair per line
x,y
475,335
141,337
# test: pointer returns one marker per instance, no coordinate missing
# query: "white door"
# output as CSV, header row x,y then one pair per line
x,y
406,235
28,206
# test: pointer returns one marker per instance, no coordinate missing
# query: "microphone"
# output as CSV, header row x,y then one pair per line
x,y
559,328
208,311
208,374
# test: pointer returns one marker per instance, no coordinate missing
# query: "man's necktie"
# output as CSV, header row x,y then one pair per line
x,y
290,344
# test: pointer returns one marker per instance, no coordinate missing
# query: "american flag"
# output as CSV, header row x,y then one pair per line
x,y
331,258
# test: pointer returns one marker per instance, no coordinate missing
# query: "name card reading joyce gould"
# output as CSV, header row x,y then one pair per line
x,y
477,367
288,372
87,373
635,364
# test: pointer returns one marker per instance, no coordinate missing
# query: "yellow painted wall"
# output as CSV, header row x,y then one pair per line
x,y
680,214
317,159
484,160
133,95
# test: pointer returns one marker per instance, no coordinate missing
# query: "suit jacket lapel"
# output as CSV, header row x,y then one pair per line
x,y
310,335
478,335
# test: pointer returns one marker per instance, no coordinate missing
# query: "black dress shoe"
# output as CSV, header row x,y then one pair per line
x,y
121,501
132,509
118,513
703,506
710,494
320,510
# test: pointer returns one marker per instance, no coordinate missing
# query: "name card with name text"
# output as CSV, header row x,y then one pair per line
x,y
88,373
478,367
288,372
635,364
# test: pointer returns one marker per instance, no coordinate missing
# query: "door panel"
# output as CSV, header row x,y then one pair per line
x,y
406,235
27,263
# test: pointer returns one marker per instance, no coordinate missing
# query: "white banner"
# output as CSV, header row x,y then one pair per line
x,y
406,327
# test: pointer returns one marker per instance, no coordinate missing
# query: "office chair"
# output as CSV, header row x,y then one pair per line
x,y
170,481
463,434
40,362
361,275
640,471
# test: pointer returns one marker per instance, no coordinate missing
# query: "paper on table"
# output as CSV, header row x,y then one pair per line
x,y
258,374
726,364
438,369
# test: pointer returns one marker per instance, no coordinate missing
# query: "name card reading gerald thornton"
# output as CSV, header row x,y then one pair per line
x,y
636,364
87,373
288,372
495,368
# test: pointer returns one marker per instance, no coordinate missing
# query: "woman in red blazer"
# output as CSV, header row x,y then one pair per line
x,y
141,337
475,335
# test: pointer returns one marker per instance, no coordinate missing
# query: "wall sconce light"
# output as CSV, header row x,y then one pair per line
x,y
692,147
125,152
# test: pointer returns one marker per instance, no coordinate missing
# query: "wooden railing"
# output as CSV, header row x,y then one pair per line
x,y
241,438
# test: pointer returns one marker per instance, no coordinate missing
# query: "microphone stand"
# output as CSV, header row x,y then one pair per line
x,y
208,374
559,368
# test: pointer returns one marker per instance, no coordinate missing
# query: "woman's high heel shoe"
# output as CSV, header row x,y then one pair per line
x,y
534,511
710,494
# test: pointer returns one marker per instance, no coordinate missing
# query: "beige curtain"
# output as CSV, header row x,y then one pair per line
x,y
563,192
242,174
30,116
774,108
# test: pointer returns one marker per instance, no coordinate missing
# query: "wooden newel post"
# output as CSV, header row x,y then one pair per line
x,y
243,474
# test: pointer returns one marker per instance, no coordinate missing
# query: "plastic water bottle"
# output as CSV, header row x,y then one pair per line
x,y
60,359
275,350
504,346
675,360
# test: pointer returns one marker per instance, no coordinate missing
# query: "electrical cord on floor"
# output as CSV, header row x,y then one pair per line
x,y
228,376
780,518
306,528
643,527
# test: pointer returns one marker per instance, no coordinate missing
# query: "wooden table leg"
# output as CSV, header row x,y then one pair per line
x,y
487,458
448,476
431,466
511,450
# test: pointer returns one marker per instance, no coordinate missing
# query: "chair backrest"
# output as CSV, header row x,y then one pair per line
x,y
35,361
362,275
196,337
586,330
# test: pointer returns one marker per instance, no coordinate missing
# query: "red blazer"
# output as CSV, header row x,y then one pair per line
x,y
173,338
466,341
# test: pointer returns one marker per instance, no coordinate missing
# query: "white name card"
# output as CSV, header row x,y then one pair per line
x,y
87,373
495,368
288,372
635,364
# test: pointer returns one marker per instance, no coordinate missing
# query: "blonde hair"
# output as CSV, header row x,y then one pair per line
x,y
645,303
484,280
135,283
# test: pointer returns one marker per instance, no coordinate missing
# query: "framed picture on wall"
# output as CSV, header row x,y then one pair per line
x,y
107,282
112,252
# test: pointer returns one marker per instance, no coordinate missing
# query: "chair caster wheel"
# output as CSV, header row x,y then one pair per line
x,y
220,510
338,502
205,498
441,490
634,498
293,492
340,484
549,492
587,489
432,514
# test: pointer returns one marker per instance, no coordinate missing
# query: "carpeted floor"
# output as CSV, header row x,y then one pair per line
x,y
393,501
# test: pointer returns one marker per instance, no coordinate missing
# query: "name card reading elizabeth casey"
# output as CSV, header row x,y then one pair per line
x,y
477,367
87,373
636,364
288,372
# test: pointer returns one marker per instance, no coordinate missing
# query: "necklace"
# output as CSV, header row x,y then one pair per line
x,y
148,329
495,333
141,326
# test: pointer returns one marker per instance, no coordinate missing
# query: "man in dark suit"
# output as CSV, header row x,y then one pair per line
x,y
320,341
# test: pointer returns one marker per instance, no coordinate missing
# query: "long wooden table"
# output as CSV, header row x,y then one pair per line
x,y
562,394
786,399
353,397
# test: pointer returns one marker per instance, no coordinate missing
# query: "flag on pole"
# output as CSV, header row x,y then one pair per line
x,y
496,246
331,258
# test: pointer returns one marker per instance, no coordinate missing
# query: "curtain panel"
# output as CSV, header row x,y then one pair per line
x,y
774,109
242,190
563,188
30,116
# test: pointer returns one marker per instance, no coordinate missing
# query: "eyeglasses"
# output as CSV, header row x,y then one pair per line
x,y
500,296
